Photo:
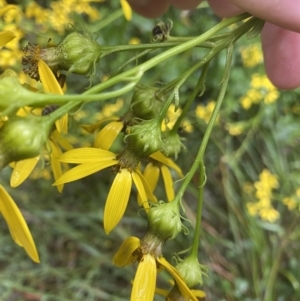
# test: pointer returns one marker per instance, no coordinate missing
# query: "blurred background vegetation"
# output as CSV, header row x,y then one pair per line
x,y
251,237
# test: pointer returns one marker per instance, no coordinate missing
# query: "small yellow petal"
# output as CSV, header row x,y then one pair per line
x,y
150,195
124,255
17,224
22,170
151,174
127,11
55,164
86,155
142,200
63,142
62,124
145,280
185,291
117,199
168,182
108,134
83,170
158,156
6,8
199,293
5,37
48,79
162,292
91,128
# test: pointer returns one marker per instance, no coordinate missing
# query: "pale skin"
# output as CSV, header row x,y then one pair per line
x,y
280,35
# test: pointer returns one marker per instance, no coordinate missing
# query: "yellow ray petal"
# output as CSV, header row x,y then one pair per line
x,y
162,292
6,8
17,224
151,174
158,156
91,128
55,164
63,142
117,199
127,11
62,124
83,170
199,293
185,291
124,255
145,280
5,37
86,155
150,195
141,190
48,79
168,181
22,170
108,134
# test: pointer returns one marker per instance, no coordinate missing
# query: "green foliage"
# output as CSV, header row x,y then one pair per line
x,y
249,258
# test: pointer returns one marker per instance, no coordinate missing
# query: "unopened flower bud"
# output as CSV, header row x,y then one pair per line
x,y
146,102
76,53
191,271
144,138
22,138
164,220
172,143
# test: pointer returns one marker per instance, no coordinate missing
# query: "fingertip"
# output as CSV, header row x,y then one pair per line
x,y
224,8
185,4
148,8
281,50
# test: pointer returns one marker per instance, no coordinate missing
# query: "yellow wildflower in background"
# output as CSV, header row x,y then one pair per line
x,y
263,192
251,55
127,11
204,112
293,201
171,118
261,89
235,129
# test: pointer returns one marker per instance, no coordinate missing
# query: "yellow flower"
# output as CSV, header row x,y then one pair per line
x,y
17,224
251,55
158,165
127,11
92,160
6,35
204,112
148,255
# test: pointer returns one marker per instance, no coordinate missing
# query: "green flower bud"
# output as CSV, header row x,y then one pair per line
x,y
144,138
172,143
77,53
191,271
22,138
164,220
146,103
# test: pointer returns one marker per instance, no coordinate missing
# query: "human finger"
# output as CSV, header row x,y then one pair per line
x,y
224,8
148,8
185,4
281,50
284,13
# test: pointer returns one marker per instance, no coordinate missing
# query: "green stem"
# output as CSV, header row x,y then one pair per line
x,y
199,87
197,233
166,55
208,131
